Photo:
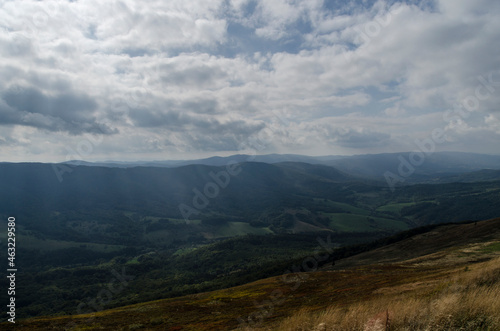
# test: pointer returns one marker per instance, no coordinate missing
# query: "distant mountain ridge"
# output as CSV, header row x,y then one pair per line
x,y
214,161
81,217
421,167
279,197
160,191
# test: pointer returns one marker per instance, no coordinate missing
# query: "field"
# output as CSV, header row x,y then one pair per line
x,y
232,229
395,208
361,223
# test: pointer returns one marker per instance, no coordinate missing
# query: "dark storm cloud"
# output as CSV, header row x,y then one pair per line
x,y
148,118
201,106
67,111
182,121
199,75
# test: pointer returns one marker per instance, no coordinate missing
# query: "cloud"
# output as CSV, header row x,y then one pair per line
x,y
335,133
358,138
493,123
187,77
7,141
61,112
395,110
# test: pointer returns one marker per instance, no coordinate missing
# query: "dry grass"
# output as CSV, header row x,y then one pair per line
x,y
468,301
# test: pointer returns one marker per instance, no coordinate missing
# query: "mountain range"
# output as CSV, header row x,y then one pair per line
x,y
198,227
373,166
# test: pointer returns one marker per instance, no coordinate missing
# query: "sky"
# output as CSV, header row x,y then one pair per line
x,y
184,79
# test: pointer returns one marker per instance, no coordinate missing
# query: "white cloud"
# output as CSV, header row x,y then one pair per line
x,y
187,77
493,123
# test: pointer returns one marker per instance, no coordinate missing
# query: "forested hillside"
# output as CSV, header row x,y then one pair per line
x,y
197,227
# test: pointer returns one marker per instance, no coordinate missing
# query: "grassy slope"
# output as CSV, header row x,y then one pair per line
x,y
441,238
467,300
437,272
